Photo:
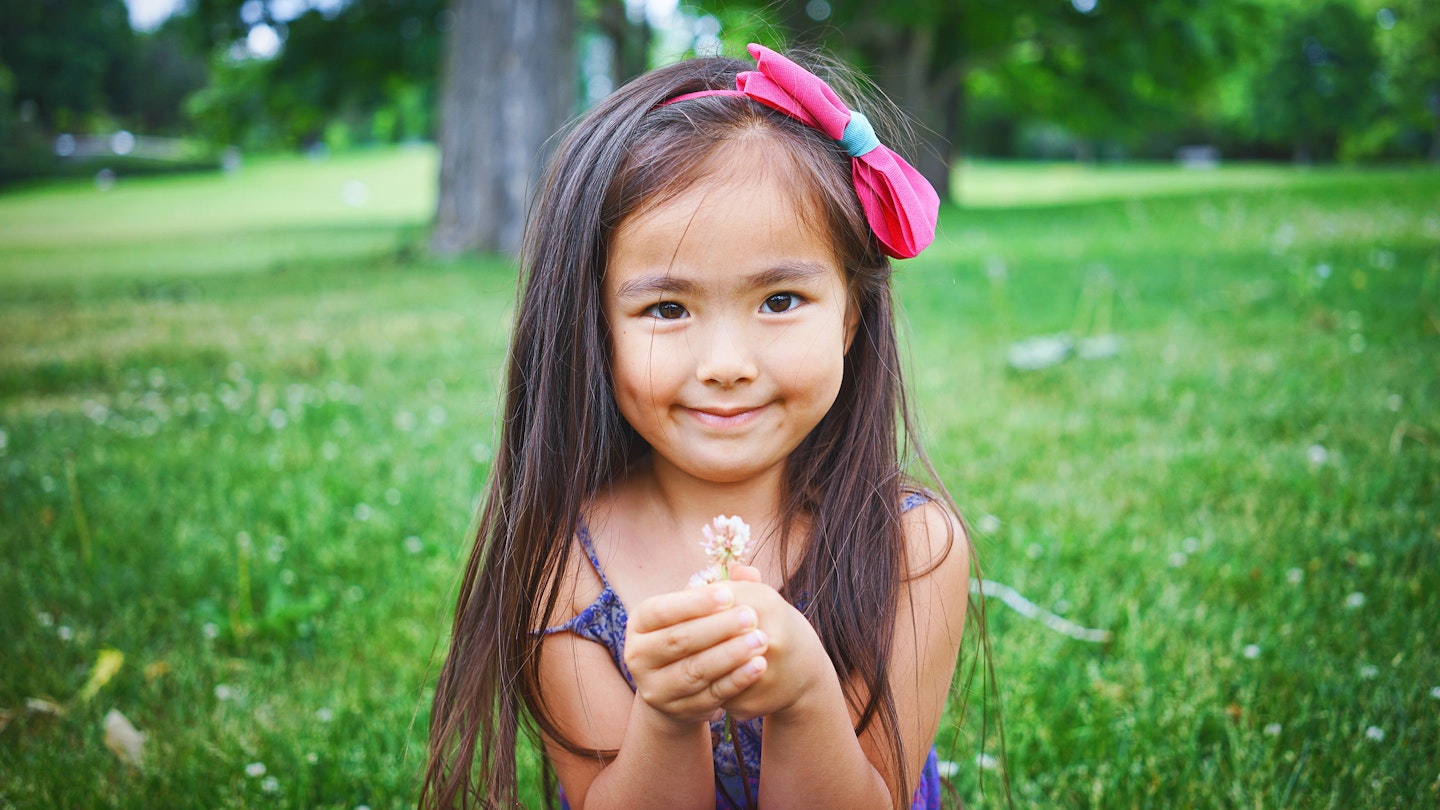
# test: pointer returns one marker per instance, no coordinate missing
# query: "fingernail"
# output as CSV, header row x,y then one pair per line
x,y
756,639
724,597
748,617
757,665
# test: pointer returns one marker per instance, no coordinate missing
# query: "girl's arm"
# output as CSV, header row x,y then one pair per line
x,y
688,652
811,755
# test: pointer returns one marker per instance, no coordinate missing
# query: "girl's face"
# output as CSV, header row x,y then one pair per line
x,y
729,322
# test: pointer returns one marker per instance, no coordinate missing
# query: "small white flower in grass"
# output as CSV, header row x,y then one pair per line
x,y
312,758
985,762
287,577
210,630
1177,559
1251,651
1034,551
1369,671
1317,454
1355,600
948,769
1322,271
414,544
1190,545
988,524
65,633
224,691
392,496
1393,402
4,440
363,512
324,715
44,618
1375,733
270,784
404,421
255,769
1435,692
279,419
1294,576
1272,730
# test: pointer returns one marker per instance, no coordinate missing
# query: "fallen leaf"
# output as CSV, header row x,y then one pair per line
x,y
157,670
107,663
123,740
5,717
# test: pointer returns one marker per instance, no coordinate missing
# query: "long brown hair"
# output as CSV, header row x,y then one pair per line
x,y
563,439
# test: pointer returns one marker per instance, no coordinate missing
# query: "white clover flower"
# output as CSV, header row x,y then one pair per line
x,y
1369,671
727,540
1355,600
1294,576
705,576
255,769
1272,730
1375,733
986,762
1251,651
948,769
210,630
1435,692
270,784
324,715
988,524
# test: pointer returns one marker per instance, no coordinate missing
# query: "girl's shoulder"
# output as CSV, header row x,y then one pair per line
x,y
936,541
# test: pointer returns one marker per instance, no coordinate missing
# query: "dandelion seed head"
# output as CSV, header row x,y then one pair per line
x,y
312,758
255,769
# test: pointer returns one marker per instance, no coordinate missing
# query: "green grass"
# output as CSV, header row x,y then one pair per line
x,y
245,424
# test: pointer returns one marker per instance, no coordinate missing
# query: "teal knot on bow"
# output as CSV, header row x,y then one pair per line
x,y
859,137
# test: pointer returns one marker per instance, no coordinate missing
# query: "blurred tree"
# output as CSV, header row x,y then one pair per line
x,y
1318,85
66,63
1409,42
628,33
508,84
1094,67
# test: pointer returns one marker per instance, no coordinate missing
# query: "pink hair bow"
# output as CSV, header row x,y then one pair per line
x,y
900,204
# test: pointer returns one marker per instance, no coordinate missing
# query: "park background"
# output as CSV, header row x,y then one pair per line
x,y
1174,350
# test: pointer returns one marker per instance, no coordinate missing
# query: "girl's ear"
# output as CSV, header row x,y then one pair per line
x,y
852,320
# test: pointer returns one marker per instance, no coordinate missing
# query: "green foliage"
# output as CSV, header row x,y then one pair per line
x,y
212,375
1319,85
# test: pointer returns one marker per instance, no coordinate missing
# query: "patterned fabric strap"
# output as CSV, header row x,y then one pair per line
x,y
900,204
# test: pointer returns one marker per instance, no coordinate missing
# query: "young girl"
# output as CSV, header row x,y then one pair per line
x,y
705,329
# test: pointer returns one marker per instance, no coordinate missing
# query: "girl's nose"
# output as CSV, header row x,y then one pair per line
x,y
725,359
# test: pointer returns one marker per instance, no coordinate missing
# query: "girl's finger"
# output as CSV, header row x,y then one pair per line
x,y
698,674
680,606
678,642
738,680
744,573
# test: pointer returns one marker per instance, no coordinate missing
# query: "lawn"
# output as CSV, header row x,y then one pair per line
x,y
244,421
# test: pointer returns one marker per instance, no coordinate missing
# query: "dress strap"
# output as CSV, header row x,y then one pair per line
x,y
583,532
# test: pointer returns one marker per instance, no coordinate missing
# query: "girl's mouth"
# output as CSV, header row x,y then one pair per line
x,y
726,417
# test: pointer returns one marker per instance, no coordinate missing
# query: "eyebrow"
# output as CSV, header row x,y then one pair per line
x,y
797,272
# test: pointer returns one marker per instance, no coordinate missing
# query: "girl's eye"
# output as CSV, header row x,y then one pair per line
x,y
781,302
666,311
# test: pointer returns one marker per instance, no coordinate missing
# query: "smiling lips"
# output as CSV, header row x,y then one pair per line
x,y
726,417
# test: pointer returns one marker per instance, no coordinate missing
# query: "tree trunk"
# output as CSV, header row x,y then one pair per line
x,y
906,72
508,84
629,41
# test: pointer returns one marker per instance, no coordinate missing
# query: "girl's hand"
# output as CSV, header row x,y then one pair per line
x,y
691,651
795,658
